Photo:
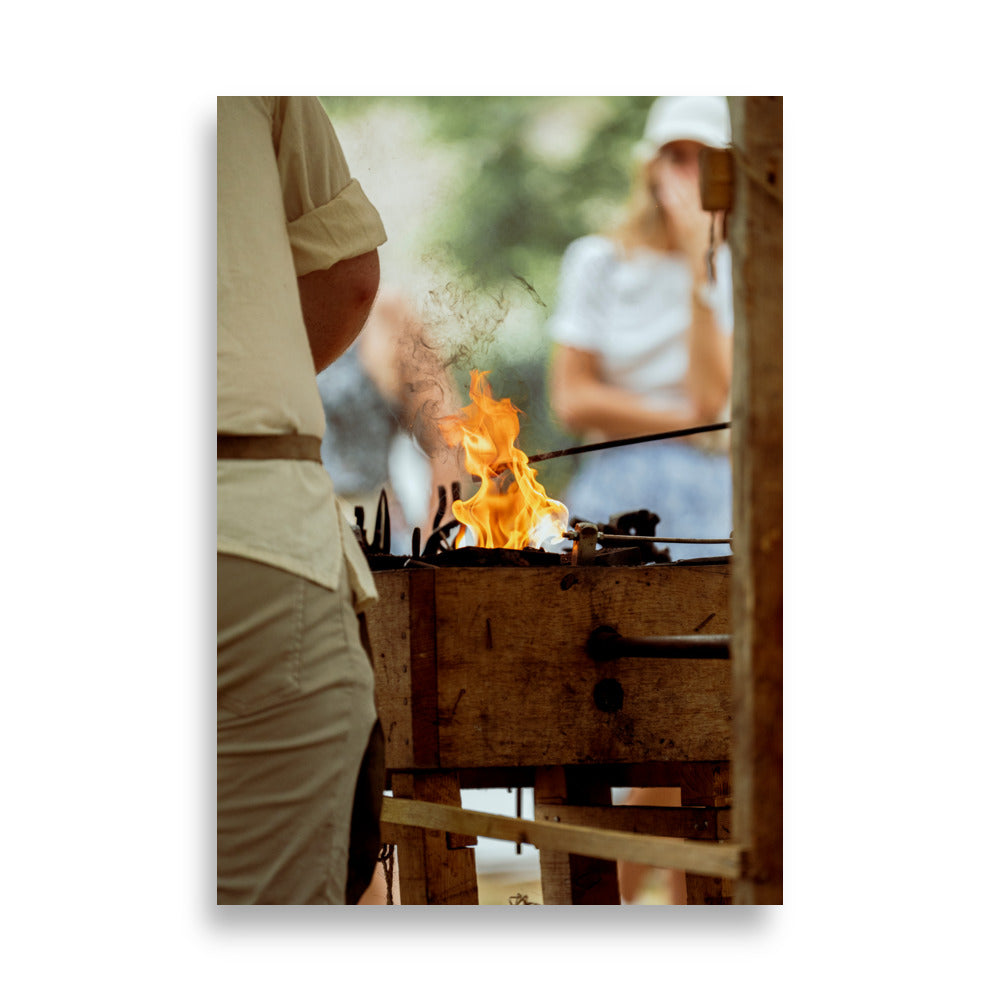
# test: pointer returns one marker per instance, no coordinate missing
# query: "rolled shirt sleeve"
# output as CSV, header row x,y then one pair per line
x,y
329,216
347,226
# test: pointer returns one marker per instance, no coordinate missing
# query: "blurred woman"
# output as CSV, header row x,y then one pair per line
x,y
642,334
643,344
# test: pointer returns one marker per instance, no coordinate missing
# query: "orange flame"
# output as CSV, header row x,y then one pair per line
x,y
510,509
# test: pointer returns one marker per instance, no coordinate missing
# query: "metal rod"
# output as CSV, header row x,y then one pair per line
x,y
581,448
601,536
517,847
606,644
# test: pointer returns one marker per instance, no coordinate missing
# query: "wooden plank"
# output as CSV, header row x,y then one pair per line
x,y
430,871
724,860
393,833
702,782
687,822
497,777
707,890
756,242
706,783
570,878
423,668
388,625
700,889
516,686
403,638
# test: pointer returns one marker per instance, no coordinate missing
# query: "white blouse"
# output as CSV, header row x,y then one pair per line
x,y
634,312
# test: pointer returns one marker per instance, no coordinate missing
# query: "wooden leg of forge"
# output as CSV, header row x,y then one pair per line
x,y
571,878
702,889
708,784
433,869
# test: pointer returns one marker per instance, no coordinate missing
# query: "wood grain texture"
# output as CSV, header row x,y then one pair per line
x,y
431,871
756,241
513,683
689,823
423,668
708,890
715,859
702,782
486,670
572,878
389,637
516,686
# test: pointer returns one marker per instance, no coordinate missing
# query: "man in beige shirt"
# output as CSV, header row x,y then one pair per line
x,y
297,274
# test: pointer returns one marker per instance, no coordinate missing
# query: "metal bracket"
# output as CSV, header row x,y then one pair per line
x,y
584,544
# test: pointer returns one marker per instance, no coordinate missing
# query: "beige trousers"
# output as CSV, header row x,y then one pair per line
x,y
294,714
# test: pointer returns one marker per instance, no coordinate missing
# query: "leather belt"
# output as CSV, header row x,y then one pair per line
x,y
297,447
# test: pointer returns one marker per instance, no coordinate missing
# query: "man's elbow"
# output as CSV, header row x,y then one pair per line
x,y
336,303
366,275
356,287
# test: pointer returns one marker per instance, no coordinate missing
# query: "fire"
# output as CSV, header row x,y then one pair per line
x,y
510,509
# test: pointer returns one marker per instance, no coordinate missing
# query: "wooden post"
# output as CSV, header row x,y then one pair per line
x,y
570,878
433,868
755,235
711,889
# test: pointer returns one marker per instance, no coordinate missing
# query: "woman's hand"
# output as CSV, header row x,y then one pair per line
x,y
675,185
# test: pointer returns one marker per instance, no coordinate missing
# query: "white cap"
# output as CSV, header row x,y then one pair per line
x,y
700,119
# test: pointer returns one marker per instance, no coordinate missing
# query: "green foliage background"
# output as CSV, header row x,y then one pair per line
x,y
520,198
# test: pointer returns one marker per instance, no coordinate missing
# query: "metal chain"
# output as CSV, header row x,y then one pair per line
x,y
387,857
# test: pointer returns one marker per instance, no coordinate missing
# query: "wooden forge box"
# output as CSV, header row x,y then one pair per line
x,y
484,667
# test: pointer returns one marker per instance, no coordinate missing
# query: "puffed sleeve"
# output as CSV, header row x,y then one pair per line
x,y
329,216
581,294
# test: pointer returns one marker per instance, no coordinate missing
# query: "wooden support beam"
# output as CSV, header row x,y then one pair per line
x,y
755,237
432,870
723,860
702,782
423,669
701,889
709,890
689,823
569,877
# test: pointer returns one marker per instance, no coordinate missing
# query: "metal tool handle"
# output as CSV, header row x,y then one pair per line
x,y
605,643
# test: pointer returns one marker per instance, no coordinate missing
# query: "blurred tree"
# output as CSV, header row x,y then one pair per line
x,y
548,169
541,172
